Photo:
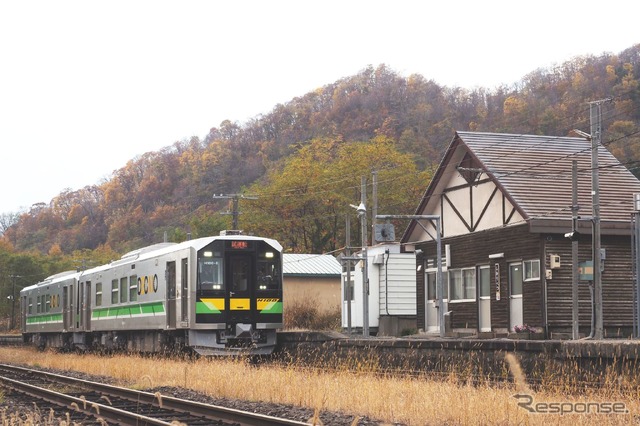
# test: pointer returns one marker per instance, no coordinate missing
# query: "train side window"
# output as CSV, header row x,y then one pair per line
x,y
114,291
98,294
123,290
38,305
30,308
210,273
133,288
47,303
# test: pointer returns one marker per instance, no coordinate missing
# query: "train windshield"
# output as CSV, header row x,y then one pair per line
x,y
268,273
210,271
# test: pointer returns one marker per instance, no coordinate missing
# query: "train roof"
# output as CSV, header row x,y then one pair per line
x,y
150,252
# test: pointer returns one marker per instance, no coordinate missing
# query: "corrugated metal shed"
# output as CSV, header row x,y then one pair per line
x,y
315,265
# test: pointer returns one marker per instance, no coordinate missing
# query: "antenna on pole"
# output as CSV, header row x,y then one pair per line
x,y
235,198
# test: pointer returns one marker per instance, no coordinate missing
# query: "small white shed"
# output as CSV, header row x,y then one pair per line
x,y
392,292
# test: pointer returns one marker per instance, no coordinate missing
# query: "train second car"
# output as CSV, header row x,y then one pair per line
x,y
216,296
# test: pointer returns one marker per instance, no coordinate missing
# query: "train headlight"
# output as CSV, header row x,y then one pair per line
x,y
263,287
217,287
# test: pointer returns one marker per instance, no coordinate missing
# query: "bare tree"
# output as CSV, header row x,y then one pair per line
x,y
8,219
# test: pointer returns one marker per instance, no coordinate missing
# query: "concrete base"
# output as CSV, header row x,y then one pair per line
x,y
396,326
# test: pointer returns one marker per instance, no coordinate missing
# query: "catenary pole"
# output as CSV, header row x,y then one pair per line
x,y
595,112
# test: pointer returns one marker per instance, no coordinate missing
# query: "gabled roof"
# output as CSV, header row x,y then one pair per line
x,y
534,173
316,265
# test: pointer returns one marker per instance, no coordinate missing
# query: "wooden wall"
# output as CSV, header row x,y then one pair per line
x,y
517,243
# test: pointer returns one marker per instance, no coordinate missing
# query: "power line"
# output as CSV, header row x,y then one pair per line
x,y
235,198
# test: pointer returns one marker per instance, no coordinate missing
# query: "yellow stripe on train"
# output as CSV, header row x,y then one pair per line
x,y
214,304
263,304
240,304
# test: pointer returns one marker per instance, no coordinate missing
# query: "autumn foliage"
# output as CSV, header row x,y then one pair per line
x,y
304,159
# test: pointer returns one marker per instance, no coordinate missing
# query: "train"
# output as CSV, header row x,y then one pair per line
x,y
215,295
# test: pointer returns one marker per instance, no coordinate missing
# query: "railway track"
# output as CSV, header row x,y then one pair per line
x,y
100,403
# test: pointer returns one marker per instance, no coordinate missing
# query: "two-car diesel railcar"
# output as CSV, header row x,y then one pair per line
x,y
214,295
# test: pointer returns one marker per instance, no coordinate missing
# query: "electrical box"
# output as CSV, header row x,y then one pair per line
x,y
554,261
548,274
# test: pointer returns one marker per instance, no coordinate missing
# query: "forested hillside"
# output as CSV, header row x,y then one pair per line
x,y
304,159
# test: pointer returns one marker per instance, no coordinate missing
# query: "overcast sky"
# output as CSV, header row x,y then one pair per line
x,y
86,85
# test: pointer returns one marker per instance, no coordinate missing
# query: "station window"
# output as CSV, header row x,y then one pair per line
x,y
114,291
531,270
133,288
462,284
98,294
123,290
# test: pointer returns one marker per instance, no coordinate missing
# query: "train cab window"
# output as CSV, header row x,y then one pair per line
x,y
268,272
268,276
114,291
133,288
98,294
210,273
123,290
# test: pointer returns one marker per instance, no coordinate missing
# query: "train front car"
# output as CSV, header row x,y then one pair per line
x,y
238,296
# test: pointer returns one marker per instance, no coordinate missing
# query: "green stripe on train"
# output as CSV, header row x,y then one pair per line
x,y
153,308
273,308
38,319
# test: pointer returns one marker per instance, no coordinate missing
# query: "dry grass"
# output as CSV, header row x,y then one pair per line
x,y
415,401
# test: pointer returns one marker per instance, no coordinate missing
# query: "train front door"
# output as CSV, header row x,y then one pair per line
x,y
171,294
239,268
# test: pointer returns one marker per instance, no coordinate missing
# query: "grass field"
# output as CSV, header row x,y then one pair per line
x,y
414,400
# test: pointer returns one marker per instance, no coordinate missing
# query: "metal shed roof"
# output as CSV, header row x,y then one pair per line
x,y
322,265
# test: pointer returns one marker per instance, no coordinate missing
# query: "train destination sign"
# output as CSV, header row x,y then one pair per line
x,y
239,244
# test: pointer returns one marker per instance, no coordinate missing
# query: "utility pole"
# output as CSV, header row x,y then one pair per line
x,y
362,212
636,264
574,251
374,210
13,299
235,212
595,113
348,288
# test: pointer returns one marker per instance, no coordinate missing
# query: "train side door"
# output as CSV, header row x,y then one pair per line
x,y
66,318
23,309
239,276
184,294
79,301
86,306
67,295
170,272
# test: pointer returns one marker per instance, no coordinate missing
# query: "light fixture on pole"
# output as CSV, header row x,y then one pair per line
x,y
362,215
